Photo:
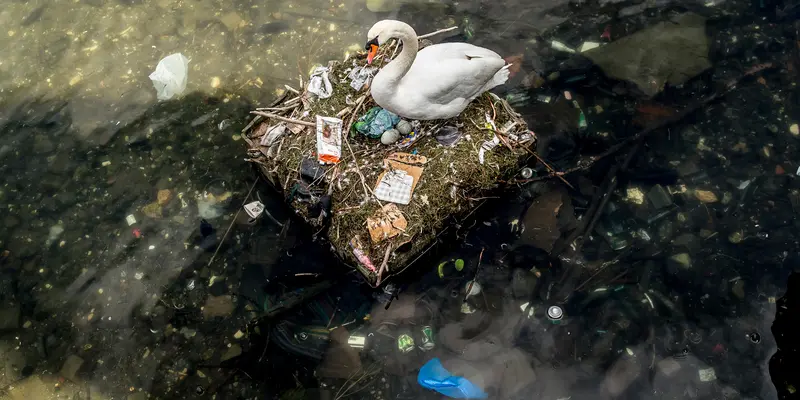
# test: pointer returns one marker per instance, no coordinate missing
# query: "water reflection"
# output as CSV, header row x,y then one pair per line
x,y
129,269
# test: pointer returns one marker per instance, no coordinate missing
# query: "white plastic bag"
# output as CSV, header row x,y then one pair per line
x,y
319,84
170,76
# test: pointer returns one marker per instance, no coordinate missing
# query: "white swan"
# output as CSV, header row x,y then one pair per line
x,y
435,83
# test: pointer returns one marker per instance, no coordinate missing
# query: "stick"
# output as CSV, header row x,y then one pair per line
x,y
232,222
427,35
284,119
549,168
253,122
384,264
275,108
478,269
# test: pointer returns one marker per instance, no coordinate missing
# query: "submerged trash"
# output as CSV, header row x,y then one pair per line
x,y
329,139
170,76
434,376
426,341
555,44
319,84
554,313
586,46
405,343
526,173
254,209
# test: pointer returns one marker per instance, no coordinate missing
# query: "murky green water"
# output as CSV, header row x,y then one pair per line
x,y
130,271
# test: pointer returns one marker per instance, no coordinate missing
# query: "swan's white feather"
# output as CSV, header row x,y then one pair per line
x,y
441,82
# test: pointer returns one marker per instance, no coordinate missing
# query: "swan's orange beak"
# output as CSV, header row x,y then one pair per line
x,y
373,50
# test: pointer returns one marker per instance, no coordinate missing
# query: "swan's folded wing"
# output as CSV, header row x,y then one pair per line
x,y
446,72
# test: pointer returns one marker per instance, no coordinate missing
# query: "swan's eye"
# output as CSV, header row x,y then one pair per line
x,y
369,44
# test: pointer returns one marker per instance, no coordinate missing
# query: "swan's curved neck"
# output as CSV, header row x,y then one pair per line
x,y
397,68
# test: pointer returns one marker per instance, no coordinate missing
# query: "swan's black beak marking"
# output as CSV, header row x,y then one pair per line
x,y
369,44
372,48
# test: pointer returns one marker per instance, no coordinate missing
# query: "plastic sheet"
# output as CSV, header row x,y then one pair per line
x,y
170,76
434,376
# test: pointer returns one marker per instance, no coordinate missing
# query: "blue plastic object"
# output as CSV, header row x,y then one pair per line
x,y
375,122
434,376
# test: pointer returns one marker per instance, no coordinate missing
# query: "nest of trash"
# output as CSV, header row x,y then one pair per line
x,y
381,206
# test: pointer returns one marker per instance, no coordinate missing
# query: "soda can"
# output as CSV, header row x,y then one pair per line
x,y
405,343
555,313
427,342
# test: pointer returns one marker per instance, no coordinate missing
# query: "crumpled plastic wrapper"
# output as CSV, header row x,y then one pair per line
x,y
170,76
319,84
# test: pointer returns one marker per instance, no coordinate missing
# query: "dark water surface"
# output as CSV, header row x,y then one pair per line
x,y
128,270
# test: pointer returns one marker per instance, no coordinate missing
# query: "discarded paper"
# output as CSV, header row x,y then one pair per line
x,y
329,139
386,223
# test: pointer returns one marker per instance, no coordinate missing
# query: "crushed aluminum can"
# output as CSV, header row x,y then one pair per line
x,y
427,342
555,313
357,341
405,343
254,209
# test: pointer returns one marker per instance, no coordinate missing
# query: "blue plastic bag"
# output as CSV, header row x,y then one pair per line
x,y
434,376
375,122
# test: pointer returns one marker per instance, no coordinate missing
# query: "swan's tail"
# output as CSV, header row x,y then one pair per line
x,y
500,77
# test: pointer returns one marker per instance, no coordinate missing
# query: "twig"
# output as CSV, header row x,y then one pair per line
x,y
253,122
427,35
276,108
335,308
284,119
384,265
477,270
549,168
367,189
232,222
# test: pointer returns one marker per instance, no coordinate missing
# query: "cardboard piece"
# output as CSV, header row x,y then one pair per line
x,y
386,223
401,164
